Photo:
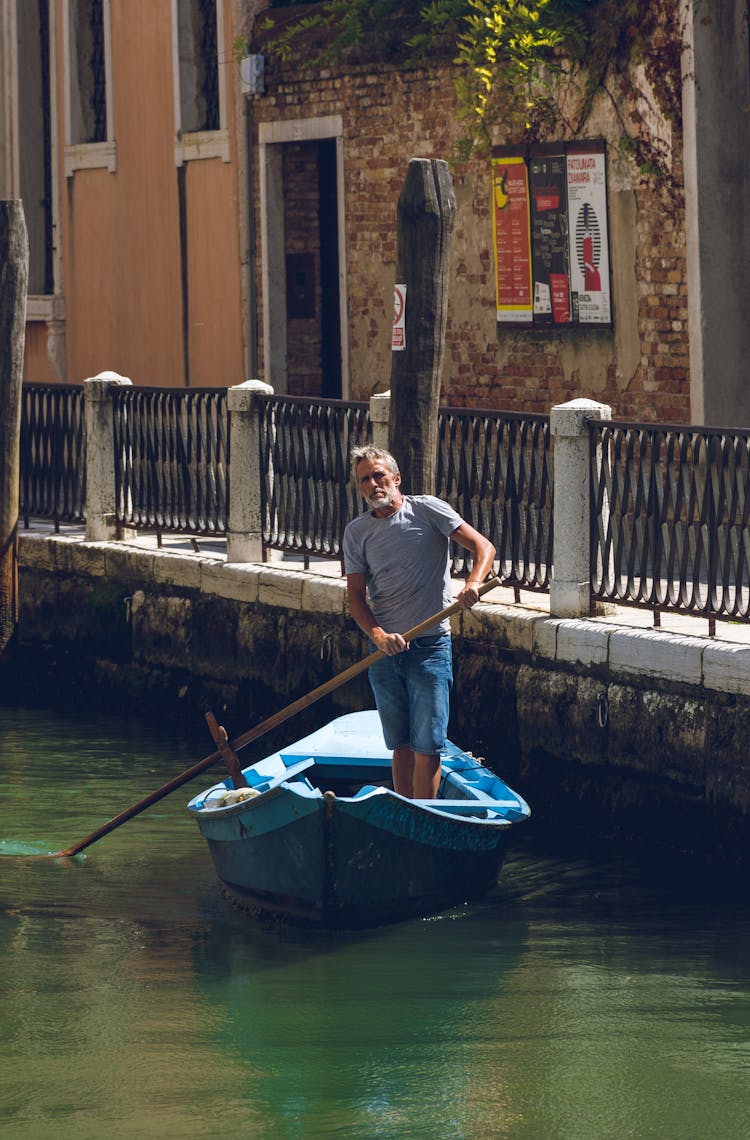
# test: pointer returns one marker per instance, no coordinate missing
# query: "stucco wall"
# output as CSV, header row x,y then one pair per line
x,y
123,274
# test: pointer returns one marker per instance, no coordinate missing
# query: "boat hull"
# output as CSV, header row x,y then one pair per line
x,y
337,869
358,860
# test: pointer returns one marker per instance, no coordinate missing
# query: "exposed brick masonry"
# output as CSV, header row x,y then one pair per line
x,y
390,116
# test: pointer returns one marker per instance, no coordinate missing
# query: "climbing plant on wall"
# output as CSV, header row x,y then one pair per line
x,y
526,70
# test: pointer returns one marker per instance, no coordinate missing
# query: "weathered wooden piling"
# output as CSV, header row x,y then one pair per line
x,y
14,269
426,215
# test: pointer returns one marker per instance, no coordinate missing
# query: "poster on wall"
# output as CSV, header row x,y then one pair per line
x,y
589,240
512,237
549,238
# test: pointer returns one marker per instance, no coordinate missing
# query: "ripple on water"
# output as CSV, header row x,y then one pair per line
x,y
19,847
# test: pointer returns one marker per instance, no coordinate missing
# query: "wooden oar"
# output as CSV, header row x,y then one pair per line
x,y
259,730
228,754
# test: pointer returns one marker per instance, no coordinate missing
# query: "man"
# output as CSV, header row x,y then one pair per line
x,y
397,564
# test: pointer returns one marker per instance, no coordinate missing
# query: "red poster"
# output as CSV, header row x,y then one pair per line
x,y
560,289
512,234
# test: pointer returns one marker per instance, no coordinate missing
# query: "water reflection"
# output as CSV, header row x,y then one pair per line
x,y
588,997
358,1033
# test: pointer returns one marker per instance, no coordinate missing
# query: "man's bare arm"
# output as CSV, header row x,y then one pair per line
x,y
483,555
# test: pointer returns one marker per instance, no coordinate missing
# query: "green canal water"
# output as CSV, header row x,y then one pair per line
x,y
591,997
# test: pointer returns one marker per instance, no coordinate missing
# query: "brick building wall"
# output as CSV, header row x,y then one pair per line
x,y
391,115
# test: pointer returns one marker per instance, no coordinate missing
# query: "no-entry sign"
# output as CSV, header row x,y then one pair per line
x,y
398,340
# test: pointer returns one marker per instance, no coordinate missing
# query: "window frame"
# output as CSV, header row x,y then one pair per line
x,y
88,155
192,145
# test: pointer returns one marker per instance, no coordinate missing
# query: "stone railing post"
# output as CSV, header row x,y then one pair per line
x,y
101,503
570,585
245,524
380,411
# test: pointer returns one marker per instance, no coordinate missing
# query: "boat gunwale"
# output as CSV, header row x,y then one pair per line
x,y
479,802
316,753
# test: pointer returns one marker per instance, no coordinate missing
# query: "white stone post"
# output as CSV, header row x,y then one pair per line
x,y
570,585
101,503
245,524
380,411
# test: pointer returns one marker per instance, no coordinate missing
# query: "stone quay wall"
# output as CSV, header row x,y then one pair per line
x,y
611,730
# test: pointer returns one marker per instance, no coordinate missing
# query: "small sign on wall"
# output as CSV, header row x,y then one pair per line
x,y
398,340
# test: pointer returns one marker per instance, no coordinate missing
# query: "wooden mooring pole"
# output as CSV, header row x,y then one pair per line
x,y
426,215
14,269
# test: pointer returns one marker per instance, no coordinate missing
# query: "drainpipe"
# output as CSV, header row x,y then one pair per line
x,y
184,274
251,69
249,208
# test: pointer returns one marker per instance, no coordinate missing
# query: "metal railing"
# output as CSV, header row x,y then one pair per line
x,y
495,469
172,463
53,454
171,459
670,508
669,505
307,496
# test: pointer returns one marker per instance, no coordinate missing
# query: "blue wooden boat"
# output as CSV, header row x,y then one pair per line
x,y
320,837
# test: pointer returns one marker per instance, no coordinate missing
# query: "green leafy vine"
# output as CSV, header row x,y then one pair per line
x,y
527,69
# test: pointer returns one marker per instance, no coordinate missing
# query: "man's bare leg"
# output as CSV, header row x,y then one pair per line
x,y
403,771
426,776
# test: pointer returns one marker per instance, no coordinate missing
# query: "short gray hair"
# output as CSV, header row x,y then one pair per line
x,y
372,454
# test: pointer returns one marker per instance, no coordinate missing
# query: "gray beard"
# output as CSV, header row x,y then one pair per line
x,y
388,501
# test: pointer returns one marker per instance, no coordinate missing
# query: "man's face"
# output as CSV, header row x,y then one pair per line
x,y
378,486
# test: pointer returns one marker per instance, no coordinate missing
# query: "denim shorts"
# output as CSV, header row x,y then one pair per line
x,y
412,693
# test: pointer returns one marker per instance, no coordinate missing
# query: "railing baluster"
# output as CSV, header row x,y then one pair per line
x,y
53,454
171,461
679,512
494,468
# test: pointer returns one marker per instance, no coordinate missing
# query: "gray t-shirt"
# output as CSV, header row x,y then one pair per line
x,y
405,559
